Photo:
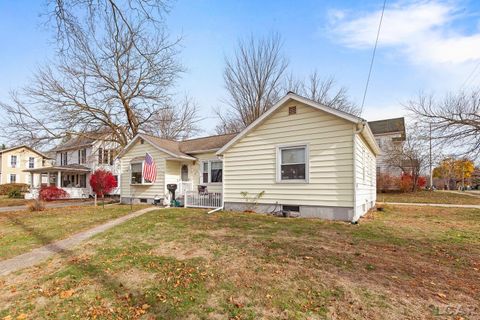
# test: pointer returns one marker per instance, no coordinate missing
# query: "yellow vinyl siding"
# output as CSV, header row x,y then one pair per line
x,y
365,183
23,155
143,191
251,164
197,172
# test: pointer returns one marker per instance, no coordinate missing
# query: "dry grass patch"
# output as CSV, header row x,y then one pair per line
x,y
404,263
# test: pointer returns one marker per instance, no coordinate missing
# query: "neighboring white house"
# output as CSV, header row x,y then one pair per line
x,y
75,160
304,156
388,133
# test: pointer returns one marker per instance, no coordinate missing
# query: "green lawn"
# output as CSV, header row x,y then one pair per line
x,y
404,263
428,197
22,230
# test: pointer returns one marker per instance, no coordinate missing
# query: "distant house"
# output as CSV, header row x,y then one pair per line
x,y
305,157
74,161
388,133
13,162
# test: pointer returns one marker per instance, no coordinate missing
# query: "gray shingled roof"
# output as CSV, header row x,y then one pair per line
x,y
186,147
388,126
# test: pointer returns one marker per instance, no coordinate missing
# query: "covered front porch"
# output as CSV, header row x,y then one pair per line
x,y
72,179
197,187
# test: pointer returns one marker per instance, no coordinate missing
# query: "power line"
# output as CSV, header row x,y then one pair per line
x,y
470,75
373,56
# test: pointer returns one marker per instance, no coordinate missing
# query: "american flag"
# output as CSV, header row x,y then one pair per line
x,y
149,169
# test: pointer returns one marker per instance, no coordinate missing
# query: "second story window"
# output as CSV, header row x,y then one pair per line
x,y
31,162
82,156
105,156
13,161
63,159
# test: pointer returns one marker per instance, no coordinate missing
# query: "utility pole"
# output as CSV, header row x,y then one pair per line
x,y
431,169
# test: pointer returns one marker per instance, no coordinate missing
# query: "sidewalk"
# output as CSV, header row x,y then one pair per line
x,y
41,254
445,205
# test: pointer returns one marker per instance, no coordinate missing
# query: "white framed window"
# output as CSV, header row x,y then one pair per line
x,y
292,163
82,156
13,178
63,158
136,173
31,162
212,171
13,161
136,170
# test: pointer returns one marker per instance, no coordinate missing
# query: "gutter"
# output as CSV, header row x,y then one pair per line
x,y
356,131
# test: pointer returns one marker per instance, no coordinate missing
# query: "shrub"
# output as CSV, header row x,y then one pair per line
x,y
14,194
35,205
7,187
52,193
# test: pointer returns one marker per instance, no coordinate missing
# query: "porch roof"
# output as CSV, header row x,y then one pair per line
x,y
70,168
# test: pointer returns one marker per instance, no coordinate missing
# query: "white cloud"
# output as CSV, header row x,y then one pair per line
x,y
421,30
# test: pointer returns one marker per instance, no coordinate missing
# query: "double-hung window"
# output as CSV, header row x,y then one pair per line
x,y
63,158
13,161
212,171
292,164
31,162
13,178
82,156
137,172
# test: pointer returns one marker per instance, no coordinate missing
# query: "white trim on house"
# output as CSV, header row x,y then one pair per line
x,y
292,96
145,138
278,159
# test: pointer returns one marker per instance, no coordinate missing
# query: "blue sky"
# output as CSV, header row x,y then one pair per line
x,y
430,46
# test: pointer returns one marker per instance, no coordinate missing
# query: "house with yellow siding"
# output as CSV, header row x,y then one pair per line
x,y
13,162
299,156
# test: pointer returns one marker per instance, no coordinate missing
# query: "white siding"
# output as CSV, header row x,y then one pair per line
x,y
197,172
250,164
365,177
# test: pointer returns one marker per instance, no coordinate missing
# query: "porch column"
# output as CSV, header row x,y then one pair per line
x,y
59,179
32,181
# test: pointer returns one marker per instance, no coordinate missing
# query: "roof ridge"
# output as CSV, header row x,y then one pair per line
x,y
215,135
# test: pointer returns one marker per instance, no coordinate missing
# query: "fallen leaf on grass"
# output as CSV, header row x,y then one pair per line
x,y
441,295
22,316
67,293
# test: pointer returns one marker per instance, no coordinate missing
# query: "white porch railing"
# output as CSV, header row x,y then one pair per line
x,y
184,186
194,199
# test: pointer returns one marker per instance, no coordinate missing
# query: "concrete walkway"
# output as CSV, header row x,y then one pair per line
x,y
445,205
466,193
48,205
41,254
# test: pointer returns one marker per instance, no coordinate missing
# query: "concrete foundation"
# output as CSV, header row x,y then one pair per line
x,y
322,212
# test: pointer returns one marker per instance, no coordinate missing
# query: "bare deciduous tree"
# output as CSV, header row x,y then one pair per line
x,y
324,91
73,17
455,119
253,79
176,122
410,156
118,79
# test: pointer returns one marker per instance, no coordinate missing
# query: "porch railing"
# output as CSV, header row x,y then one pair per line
x,y
194,199
184,186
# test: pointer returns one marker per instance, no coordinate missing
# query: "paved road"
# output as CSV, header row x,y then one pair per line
x,y
432,205
48,205
41,254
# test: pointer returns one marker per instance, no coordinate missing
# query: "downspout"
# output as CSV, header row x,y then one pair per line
x,y
356,131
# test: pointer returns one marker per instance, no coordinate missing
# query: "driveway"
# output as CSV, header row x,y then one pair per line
x,y
445,205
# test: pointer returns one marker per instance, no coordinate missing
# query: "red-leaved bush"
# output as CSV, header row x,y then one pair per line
x,y
102,182
52,193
